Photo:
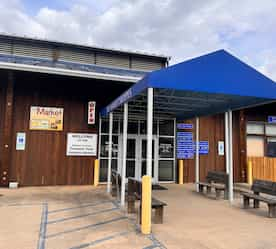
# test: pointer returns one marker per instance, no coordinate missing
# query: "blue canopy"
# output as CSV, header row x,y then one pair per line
x,y
205,85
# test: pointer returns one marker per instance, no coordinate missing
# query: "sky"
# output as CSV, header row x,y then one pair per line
x,y
181,29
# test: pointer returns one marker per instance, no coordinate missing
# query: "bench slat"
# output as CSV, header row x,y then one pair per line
x,y
260,198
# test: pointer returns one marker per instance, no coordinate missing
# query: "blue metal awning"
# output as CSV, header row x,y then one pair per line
x,y
205,85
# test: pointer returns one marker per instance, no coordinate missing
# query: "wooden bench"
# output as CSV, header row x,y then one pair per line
x,y
218,180
135,193
262,187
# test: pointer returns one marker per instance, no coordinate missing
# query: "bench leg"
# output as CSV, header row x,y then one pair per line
x,y
209,189
201,188
256,203
271,211
245,202
113,192
159,215
218,194
131,206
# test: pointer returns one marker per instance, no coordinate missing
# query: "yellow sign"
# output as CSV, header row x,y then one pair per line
x,y
46,118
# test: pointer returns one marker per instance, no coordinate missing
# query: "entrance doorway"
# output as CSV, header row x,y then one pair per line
x,y
136,162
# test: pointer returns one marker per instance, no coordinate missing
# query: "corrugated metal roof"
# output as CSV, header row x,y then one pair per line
x,y
83,46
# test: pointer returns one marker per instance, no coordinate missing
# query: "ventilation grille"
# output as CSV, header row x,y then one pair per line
x,y
146,64
112,60
33,51
79,56
5,47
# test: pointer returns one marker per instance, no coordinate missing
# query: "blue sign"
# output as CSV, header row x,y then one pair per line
x,y
271,119
185,145
184,126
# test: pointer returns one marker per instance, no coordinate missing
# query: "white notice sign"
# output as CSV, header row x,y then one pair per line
x,y
221,148
20,140
81,144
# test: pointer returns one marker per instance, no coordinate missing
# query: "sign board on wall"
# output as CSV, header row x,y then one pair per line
x,y
91,112
184,126
221,148
271,119
81,144
46,118
185,145
20,140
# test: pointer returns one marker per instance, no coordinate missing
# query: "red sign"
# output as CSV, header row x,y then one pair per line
x,y
91,112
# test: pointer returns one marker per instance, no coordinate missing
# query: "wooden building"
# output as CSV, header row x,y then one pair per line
x,y
65,78
46,74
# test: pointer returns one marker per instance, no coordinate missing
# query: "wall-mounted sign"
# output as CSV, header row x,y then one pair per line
x,y
221,148
271,119
46,118
185,145
81,144
183,126
203,147
20,140
91,112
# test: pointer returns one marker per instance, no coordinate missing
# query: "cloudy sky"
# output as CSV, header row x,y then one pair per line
x,y
178,28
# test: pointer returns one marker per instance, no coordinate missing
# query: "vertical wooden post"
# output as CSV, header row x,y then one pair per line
x,y
180,171
7,132
243,159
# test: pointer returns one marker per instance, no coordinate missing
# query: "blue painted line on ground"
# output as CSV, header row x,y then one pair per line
x,y
98,241
86,227
77,207
156,243
81,216
43,227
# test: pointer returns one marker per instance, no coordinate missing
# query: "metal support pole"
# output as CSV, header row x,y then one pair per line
x,y
197,155
231,192
109,152
226,152
149,131
123,176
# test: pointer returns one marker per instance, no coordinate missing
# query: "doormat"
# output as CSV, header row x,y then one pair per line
x,y
158,187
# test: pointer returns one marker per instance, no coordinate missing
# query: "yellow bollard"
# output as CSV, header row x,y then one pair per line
x,y
249,173
180,171
146,205
96,172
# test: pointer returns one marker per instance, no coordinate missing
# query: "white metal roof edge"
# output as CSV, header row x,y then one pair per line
x,y
67,72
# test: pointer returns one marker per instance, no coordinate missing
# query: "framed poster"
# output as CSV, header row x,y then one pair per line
x,y
81,144
46,118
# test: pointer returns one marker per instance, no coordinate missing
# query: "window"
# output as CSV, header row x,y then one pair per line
x,y
255,128
271,147
255,146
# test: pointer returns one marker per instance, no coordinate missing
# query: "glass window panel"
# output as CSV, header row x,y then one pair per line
x,y
271,147
166,147
131,148
104,146
132,127
143,127
166,127
166,170
255,146
104,127
104,166
252,128
144,148
270,130
130,168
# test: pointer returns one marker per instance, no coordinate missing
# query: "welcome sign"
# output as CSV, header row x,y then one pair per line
x,y
46,118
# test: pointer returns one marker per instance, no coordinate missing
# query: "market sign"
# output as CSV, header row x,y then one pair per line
x,y
46,118
81,144
91,112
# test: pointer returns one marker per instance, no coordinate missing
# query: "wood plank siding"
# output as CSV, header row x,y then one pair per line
x,y
44,161
211,129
